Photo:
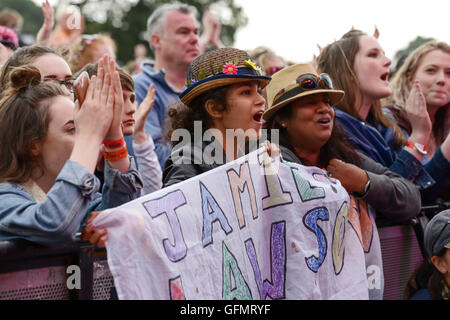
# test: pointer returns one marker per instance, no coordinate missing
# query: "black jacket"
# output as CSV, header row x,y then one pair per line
x,y
396,198
189,160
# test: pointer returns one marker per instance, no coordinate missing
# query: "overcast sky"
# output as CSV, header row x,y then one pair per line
x,y
293,28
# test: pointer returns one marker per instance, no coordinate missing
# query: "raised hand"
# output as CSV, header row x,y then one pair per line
x,y
107,70
44,33
94,116
416,110
90,232
142,113
92,121
107,66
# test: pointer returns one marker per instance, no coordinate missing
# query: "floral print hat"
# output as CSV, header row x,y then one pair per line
x,y
218,68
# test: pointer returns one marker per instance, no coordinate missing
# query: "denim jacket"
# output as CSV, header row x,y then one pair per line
x,y
156,120
377,142
73,196
438,167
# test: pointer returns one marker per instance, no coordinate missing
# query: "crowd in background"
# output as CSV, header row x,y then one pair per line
x,y
79,133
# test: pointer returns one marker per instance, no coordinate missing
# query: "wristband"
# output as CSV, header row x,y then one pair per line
x,y
114,156
422,149
114,144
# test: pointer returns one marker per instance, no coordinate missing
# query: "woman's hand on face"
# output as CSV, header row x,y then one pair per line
x,y
416,110
142,113
91,234
352,178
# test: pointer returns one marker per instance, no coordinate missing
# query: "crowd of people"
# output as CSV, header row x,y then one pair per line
x,y
79,133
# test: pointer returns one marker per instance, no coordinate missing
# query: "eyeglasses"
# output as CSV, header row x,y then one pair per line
x,y
273,70
437,238
67,83
304,82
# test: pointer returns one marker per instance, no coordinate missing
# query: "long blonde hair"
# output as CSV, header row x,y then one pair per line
x,y
401,82
338,59
401,86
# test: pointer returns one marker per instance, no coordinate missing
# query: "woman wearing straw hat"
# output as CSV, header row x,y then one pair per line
x,y
300,103
223,97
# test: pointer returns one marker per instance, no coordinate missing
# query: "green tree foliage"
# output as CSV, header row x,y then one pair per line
x,y
401,55
31,13
126,21
414,44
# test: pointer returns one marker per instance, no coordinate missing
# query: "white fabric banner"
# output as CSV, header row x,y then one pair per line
x,y
238,231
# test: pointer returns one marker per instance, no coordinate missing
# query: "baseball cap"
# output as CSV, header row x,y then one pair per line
x,y
437,233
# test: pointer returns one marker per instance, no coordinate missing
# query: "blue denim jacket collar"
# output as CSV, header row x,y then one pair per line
x,y
377,142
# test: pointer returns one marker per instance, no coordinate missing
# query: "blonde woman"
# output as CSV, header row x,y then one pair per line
x,y
424,74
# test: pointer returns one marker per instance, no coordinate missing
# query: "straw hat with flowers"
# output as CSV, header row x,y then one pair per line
x,y
218,68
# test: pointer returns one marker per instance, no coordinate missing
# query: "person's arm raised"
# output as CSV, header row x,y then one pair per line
x,y
45,31
140,136
416,110
116,157
92,121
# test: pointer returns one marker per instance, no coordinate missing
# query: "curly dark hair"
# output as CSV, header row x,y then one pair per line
x,y
183,116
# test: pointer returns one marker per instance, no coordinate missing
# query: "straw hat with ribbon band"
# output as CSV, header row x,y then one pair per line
x,y
298,81
218,68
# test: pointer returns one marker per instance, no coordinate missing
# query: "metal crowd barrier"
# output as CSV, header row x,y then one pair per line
x,y
32,272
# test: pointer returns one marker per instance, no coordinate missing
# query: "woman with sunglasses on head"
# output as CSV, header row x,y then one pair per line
x,y
358,65
431,281
300,108
49,150
223,93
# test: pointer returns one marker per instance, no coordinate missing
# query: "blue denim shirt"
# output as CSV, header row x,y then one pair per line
x,y
156,121
73,196
377,142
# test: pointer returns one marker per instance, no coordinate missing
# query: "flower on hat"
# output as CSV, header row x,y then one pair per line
x,y
251,64
190,82
229,68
